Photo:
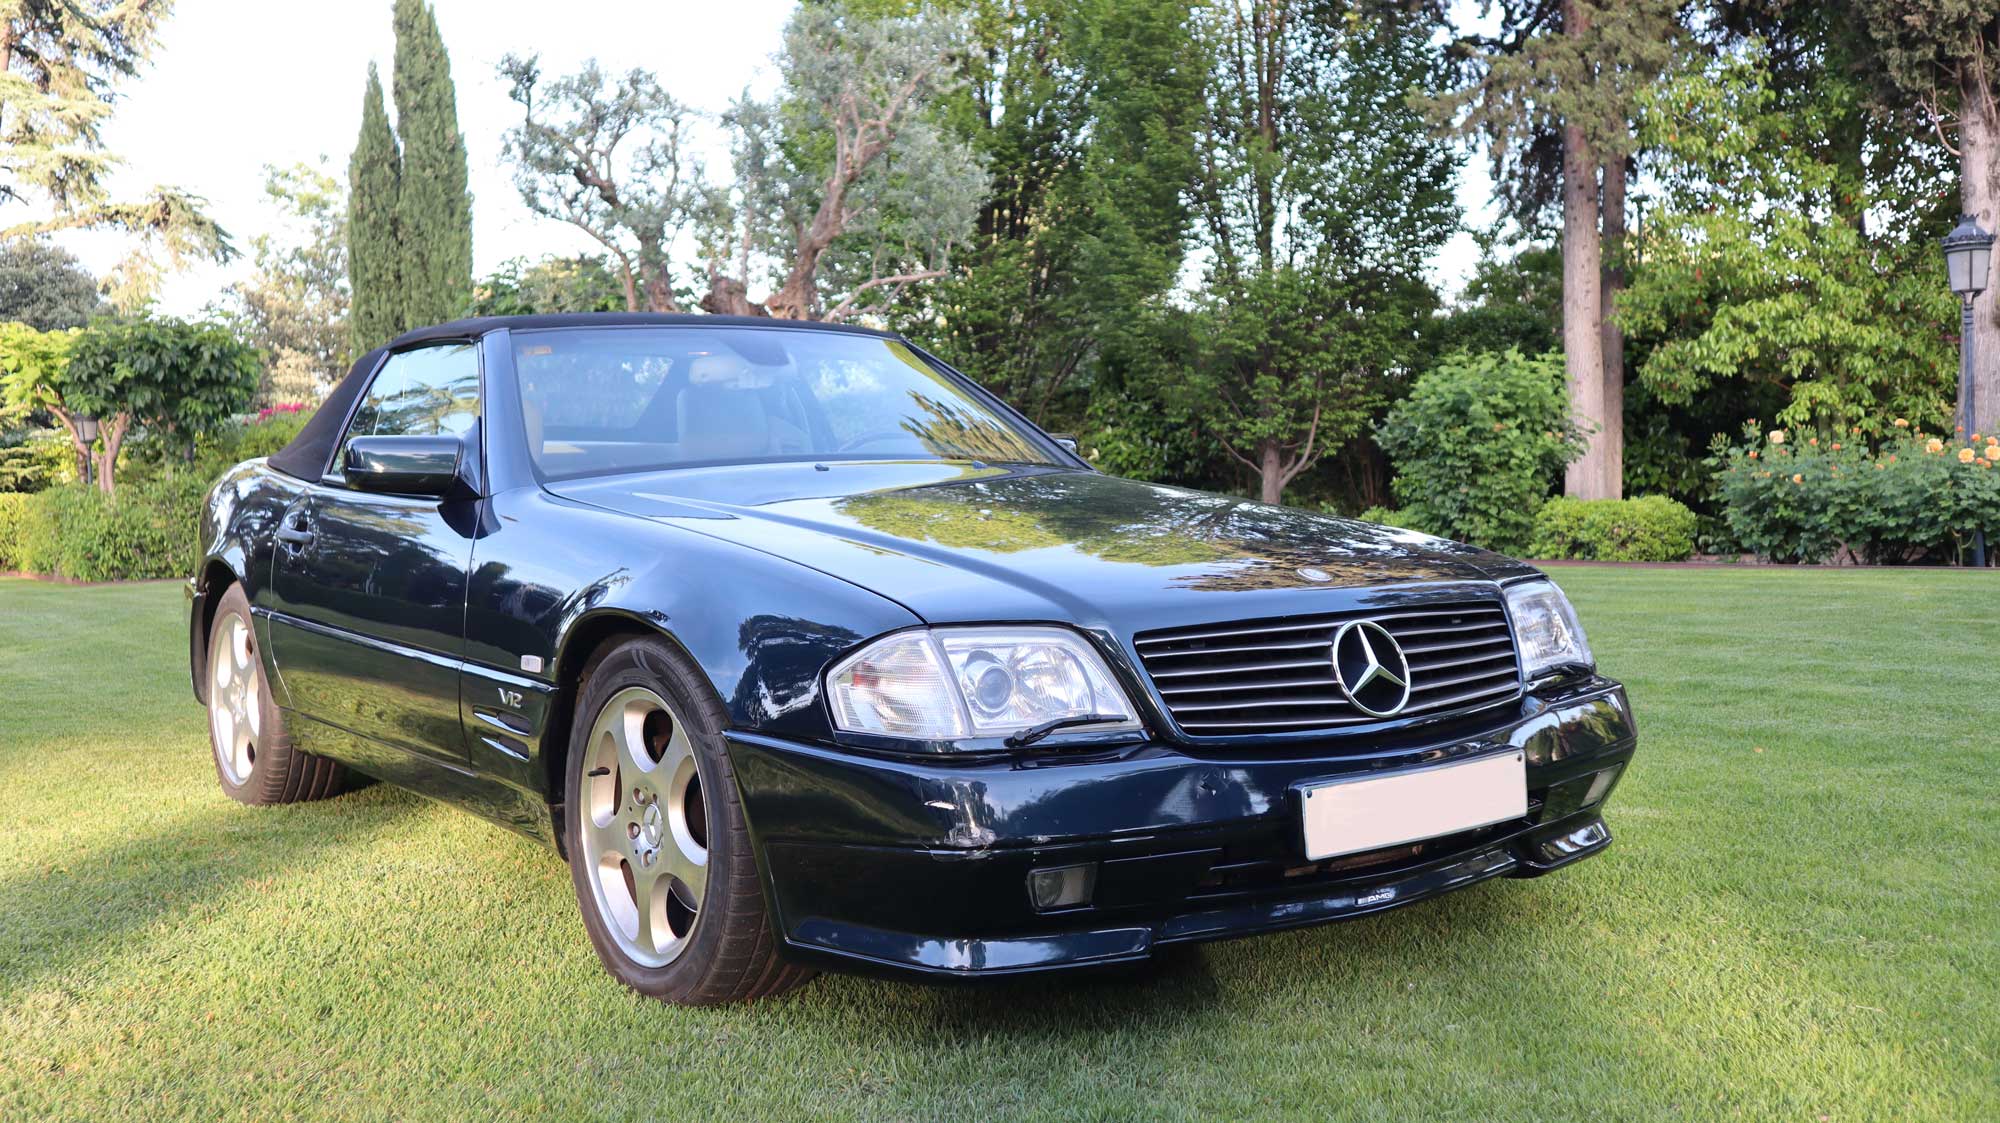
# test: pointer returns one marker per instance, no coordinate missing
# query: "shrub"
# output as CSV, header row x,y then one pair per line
x,y
1654,528
150,530
35,459
1811,498
13,512
1479,443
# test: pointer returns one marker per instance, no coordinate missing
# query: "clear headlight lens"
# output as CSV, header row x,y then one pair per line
x,y
1546,629
948,683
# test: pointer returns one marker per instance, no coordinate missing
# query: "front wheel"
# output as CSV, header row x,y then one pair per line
x,y
659,852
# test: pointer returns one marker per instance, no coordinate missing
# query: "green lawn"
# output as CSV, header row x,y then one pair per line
x,y
1798,921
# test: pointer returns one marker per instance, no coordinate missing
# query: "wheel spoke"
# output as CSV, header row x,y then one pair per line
x,y
647,897
628,733
690,870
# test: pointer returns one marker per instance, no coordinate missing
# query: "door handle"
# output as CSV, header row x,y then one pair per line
x,y
294,528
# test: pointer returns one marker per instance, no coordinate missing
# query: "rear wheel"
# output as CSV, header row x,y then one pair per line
x,y
254,760
659,852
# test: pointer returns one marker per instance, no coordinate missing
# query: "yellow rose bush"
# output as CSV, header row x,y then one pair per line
x,y
1913,498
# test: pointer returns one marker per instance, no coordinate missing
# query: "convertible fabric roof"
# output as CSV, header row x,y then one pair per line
x,y
473,328
307,456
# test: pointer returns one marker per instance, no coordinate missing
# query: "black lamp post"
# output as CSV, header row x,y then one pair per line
x,y
1968,255
86,430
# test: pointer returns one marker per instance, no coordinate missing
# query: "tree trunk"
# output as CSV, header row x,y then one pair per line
x,y
1583,341
1979,190
112,433
1270,472
1611,278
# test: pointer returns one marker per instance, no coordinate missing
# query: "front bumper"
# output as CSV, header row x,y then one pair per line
x,y
922,866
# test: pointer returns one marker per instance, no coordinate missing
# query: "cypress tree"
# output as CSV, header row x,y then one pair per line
x,y
435,208
374,250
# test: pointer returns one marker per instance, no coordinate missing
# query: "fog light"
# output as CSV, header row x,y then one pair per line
x,y
1062,887
1600,785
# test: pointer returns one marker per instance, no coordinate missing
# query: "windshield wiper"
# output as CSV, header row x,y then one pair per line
x,y
1035,733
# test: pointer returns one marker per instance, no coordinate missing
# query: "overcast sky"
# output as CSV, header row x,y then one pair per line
x,y
238,84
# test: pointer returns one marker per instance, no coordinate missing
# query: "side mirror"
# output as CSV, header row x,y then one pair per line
x,y
403,465
1068,442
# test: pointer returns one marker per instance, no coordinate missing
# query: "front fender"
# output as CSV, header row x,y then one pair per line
x,y
237,517
556,577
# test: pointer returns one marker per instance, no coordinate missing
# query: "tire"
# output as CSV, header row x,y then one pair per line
x,y
254,759
659,852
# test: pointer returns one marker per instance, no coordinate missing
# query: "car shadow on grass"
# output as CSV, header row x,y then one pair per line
x,y
77,912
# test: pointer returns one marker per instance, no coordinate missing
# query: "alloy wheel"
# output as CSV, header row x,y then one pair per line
x,y
235,700
644,825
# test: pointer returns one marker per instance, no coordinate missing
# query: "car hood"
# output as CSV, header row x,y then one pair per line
x,y
960,542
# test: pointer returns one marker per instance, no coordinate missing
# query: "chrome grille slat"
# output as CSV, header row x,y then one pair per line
x,y
1267,684
1265,676
1317,622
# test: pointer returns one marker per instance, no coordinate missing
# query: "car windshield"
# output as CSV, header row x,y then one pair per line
x,y
604,400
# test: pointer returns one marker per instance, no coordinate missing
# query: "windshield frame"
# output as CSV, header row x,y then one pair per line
x,y
505,342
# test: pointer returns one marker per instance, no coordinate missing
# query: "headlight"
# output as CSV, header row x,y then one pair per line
x,y
947,683
1546,629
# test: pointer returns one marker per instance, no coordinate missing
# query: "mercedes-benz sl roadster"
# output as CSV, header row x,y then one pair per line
x,y
806,652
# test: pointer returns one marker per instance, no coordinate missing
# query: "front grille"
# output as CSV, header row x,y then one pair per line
x,y
1276,675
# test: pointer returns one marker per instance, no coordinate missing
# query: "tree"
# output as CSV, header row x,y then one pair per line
x,y
1084,113
1935,66
554,284
177,379
847,187
605,155
32,365
374,244
42,285
433,205
1759,271
60,66
1558,86
1320,196
294,307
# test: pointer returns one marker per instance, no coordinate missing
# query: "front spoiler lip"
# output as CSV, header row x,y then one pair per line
x,y
1527,852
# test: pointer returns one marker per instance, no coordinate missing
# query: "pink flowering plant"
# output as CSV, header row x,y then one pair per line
x,y
1908,498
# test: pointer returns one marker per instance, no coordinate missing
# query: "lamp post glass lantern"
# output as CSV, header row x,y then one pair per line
x,y
86,430
1968,258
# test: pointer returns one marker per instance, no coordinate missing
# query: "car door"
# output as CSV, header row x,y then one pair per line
x,y
368,606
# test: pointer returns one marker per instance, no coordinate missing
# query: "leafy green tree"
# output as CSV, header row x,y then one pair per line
x,y
60,66
1757,270
33,363
605,155
177,379
1320,196
554,284
374,244
294,307
42,285
1084,113
848,189
433,206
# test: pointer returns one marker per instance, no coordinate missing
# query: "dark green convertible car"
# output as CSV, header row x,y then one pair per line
x,y
806,652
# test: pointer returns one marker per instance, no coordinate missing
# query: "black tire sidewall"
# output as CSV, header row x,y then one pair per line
x,y
655,665
272,747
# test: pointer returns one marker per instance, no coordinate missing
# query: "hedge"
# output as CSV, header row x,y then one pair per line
x,y
1651,529
152,529
13,513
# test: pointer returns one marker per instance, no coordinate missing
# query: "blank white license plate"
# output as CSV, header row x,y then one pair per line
x,y
1350,816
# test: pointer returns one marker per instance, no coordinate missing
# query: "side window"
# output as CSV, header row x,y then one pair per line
x,y
419,393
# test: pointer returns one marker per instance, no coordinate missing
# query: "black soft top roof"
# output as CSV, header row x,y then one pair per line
x,y
309,453
478,326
